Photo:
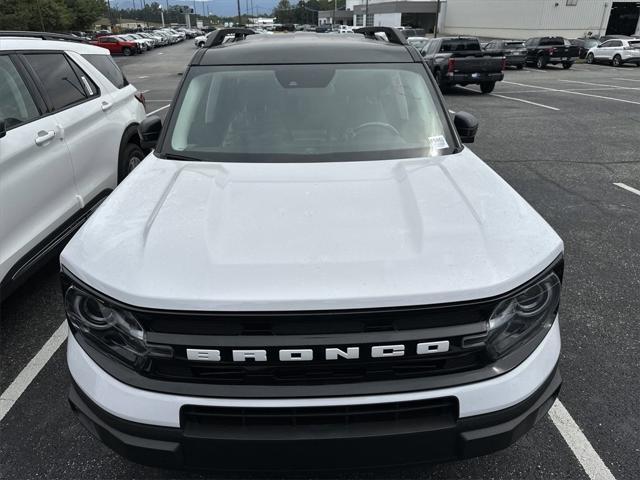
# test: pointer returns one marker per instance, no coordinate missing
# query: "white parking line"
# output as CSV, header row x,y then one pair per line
x,y
628,188
13,392
525,101
615,87
158,110
516,99
574,93
579,444
626,79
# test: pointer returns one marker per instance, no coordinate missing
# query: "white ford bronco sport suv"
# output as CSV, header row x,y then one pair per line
x,y
68,133
277,287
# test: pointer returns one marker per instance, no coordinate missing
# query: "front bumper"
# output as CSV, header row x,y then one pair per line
x,y
305,447
153,428
515,60
467,78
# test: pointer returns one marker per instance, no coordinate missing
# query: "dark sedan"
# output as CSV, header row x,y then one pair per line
x,y
584,44
513,50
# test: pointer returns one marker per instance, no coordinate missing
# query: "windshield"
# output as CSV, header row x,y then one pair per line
x,y
635,44
514,44
287,113
418,42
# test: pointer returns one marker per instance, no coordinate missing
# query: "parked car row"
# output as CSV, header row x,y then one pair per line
x,y
139,42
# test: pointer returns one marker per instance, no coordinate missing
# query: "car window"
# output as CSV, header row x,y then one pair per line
x,y
616,43
606,44
60,80
16,105
635,44
107,67
514,45
460,45
261,113
550,41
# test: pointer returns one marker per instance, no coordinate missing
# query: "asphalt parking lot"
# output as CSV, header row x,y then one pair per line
x,y
569,142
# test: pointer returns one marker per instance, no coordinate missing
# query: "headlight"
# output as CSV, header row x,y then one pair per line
x,y
111,329
520,318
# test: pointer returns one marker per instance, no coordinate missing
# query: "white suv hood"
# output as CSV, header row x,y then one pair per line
x,y
241,236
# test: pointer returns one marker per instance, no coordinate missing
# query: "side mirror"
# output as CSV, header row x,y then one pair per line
x,y
466,126
149,131
3,129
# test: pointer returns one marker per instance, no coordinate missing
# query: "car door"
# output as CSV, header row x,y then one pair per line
x,y
110,44
602,50
82,109
37,188
616,46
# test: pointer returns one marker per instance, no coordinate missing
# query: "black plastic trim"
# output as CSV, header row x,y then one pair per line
x,y
46,249
275,448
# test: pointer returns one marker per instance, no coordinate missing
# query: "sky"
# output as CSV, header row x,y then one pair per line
x,y
223,8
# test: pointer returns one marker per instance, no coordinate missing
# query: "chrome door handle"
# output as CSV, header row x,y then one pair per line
x,y
43,137
106,105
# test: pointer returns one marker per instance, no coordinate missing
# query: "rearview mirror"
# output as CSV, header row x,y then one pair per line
x,y
149,131
466,126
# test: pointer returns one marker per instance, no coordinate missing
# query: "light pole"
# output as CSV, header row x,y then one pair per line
x,y
366,13
435,27
161,15
335,7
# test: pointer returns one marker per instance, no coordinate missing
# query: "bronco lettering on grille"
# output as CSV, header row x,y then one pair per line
x,y
307,354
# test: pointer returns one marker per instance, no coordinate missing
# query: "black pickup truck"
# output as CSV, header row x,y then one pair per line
x,y
461,61
542,51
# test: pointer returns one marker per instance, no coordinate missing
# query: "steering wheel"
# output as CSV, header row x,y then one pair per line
x,y
377,125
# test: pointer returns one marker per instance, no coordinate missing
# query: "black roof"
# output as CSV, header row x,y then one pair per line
x,y
305,47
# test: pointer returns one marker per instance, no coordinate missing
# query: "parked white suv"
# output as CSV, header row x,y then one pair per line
x,y
68,134
616,52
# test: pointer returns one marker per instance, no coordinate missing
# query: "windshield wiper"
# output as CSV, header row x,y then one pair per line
x,y
184,158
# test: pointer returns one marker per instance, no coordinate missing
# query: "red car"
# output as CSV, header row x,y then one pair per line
x,y
116,45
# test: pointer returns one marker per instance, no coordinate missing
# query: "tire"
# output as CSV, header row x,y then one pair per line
x,y
126,51
440,80
567,65
590,59
541,62
617,61
520,67
487,87
131,157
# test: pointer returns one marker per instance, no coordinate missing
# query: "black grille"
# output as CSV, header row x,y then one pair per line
x,y
319,372
437,412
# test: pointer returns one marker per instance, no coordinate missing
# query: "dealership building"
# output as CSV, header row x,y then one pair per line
x,y
497,18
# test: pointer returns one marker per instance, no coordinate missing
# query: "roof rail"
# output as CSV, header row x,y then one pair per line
x,y
218,37
393,34
43,36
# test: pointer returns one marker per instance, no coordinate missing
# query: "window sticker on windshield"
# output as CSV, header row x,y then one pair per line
x,y
438,142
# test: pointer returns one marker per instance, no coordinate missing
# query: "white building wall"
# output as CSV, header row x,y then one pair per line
x,y
387,19
526,18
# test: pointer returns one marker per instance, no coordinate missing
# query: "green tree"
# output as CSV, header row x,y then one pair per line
x,y
50,15
85,12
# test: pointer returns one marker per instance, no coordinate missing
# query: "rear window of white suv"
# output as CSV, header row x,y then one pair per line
x,y
107,67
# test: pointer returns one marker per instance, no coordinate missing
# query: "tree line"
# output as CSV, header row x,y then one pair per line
x,y
50,15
